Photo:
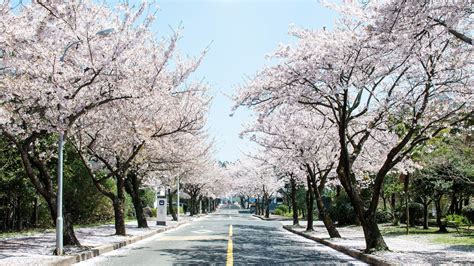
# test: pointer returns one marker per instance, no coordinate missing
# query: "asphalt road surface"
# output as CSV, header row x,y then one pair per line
x,y
226,237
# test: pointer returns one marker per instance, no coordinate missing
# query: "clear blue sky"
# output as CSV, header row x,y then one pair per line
x,y
242,33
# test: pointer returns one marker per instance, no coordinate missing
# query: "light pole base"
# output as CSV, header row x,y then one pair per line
x,y
59,236
160,223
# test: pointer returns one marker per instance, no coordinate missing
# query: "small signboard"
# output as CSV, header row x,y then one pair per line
x,y
161,210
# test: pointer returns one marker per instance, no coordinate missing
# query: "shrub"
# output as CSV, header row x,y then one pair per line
x,y
458,220
282,209
279,212
153,212
342,211
416,212
384,217
468,212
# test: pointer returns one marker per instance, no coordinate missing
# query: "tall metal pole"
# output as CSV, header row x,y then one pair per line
x,y
59,219
178,199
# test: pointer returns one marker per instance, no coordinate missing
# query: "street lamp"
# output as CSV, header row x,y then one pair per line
x,y
59,217
177,201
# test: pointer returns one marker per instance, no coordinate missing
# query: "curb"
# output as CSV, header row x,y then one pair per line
x,y
367,258
94,252
271,219
260,217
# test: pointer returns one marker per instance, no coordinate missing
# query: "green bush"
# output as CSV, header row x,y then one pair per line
x,y
468,212
416,212
279,212
342,211
81,198
181,211
153,212
384,217
282,209
458,220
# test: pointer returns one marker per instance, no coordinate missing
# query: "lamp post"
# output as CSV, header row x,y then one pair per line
x,y
59,217
177,201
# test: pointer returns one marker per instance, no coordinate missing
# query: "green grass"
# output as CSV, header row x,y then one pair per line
x,y
454,239
391,230
465,239
29,232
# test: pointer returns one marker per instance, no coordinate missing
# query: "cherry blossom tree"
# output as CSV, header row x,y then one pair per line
x,y
163,107
378,80
58,62
300,143
256,178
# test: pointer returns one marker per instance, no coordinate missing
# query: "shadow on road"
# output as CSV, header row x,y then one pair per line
x,y
203,252
255,244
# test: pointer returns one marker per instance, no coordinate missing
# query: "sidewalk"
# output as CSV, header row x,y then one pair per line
x,y
38,249
404,249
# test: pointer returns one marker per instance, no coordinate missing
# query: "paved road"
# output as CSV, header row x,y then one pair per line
x,y
206,241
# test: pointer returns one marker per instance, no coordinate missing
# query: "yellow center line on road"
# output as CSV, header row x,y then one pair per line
x,y
230,252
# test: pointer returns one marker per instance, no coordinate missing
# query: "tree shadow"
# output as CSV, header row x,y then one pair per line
x,y
198,254
264,245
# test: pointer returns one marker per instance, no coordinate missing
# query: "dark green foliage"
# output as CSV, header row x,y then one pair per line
x,y
458,220
416,212
148,197
468,212
342,211
16,193
282,208
82,199
384,217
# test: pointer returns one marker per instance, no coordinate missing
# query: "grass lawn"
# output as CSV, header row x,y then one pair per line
x,y
454,239
29,232
465,239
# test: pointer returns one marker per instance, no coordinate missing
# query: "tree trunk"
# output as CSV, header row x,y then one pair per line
x,y
34,215
192,211
309,204
200,205
317,190
441,225
19,223
407,198
384,199
119,217
294,206
118,203
266,205
170,205
257,207
393,207
328,223
425,215
132,186
69,236
68,231
44,187
373,238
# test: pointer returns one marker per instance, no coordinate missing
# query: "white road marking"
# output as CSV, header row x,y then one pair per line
x,y
201,232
